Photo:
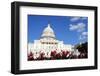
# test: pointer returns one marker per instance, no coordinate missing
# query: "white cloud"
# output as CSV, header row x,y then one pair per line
x,y
73,19
78,27
83,35
84,18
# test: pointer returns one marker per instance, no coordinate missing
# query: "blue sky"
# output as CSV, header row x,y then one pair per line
x,y
70,29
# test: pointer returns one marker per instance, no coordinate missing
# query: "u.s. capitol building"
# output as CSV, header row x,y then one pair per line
x,y
48,43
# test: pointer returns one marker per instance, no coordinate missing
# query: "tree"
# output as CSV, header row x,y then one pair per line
x,y
83,47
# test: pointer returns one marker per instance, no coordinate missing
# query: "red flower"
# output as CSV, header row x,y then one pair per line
x,y
58,56
42,56
53,53
30,56
64,54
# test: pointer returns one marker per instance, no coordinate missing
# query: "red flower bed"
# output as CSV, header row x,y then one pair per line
x,y
54,55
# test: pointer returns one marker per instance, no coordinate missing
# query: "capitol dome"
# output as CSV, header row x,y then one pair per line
x,y
48,32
